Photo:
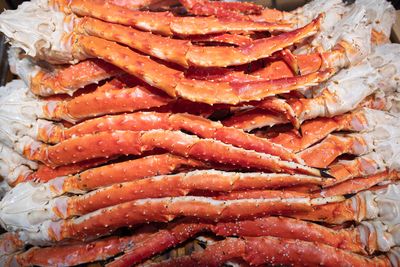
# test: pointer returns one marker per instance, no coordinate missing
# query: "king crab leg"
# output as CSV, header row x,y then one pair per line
x,y
174,185
71,78
106,144
165,23
268,250
358,184
74,254
143,121
126,171
188,54
163,210
107,99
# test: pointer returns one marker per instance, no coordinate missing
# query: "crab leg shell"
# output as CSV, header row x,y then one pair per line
x,y
173,83
208,8
174,186
160,241
284,227
234,39
356,185
362,166
316,129
164,210
105,144
68,255
45,173
165,23
142,121
105,102
71,78
125,172
324,153
275,251
255,118
184,53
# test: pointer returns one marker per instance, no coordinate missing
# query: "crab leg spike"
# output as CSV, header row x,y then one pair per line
x,y
105,144
184,53
165,23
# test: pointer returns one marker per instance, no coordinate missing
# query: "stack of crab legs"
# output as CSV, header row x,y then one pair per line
x,y
200,133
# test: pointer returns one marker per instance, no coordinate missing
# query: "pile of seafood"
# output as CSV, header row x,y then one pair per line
x,y
200,133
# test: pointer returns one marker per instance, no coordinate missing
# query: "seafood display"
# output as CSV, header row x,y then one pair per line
x,y
200,133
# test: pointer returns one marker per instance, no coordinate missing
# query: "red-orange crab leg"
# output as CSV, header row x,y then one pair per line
x,y
165,23
10,243
268,226
273,251
184,53
208,8
256,194
106,100
166,209
142,121
254,118
176,185
173,83
105,144
279,106
74,254
316,129
324,153
132,170
359,167
71,78
356,185
45,173
234,39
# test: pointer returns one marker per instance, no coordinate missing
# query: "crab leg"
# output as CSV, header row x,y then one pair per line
x,y
267,226
362,166
184,53
45,173
107,99
174,186
68,255
125,172
71,78
316,129
275,251
165,23
105,144
172,82
366,205
207,8
324,153
143,121
165,209
356,185
234,39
